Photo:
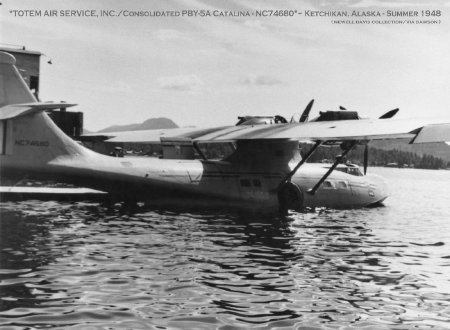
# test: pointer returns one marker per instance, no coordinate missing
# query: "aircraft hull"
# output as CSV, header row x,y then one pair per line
x,y
212,184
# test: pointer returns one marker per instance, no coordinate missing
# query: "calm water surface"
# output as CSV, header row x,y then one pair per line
x,y
81,266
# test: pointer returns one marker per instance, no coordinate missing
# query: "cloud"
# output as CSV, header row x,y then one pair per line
x,y
261,80
375,3
167,34
255,24
117,87
381,3
182,83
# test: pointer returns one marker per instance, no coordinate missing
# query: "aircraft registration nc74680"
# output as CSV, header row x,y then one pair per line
x,y
265,171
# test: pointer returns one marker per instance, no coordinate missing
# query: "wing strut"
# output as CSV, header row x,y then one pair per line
x,y
338,160
304,159
197,148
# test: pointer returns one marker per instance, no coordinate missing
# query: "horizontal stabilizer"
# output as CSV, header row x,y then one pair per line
x,y
17,110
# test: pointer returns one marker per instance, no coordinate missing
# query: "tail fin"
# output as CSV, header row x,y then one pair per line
x,y
29,140
13,89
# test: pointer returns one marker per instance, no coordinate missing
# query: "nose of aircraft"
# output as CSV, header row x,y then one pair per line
x,y
378,187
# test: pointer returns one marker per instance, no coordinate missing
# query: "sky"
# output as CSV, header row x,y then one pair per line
x,y
207,71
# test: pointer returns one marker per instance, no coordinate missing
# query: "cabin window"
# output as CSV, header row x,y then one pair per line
x,y
328,184
256,183
342,185
244,182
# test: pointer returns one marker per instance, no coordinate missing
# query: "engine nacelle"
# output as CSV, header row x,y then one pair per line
x,y
261,120
337,115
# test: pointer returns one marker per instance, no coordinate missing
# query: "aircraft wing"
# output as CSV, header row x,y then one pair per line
x,y
421,130
152,136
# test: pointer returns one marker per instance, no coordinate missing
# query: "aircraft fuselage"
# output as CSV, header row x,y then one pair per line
x,y
208,183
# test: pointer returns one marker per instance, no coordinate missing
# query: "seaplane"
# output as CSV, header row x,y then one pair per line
x,y
264,171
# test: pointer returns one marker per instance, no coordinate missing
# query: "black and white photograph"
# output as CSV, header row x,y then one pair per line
x,y
225,165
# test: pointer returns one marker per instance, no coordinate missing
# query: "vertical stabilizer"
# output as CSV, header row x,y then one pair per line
x,y
29,140
13,89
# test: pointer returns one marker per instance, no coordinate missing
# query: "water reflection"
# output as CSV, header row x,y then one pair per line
x,y
75,265
25,245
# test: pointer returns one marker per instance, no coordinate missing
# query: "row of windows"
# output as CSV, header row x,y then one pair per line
x,y
352,170
327,184
334,185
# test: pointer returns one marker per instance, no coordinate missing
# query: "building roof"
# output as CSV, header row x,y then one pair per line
x,y
20,50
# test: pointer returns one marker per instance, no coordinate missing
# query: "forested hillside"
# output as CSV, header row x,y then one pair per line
x,y
380,157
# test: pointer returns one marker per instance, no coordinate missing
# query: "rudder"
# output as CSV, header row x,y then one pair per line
x,y
13,89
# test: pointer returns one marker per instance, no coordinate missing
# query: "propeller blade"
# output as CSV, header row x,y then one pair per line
x,y
390,114
366,158
305,114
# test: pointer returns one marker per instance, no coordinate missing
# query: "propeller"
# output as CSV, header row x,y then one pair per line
x,y
366,158
390,114
305,114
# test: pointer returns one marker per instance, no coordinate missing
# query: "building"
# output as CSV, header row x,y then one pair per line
x,y
28,64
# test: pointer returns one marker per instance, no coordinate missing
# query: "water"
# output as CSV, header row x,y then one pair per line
x,y
80,266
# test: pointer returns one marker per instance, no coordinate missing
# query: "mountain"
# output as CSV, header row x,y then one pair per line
x,y
153,123
390,154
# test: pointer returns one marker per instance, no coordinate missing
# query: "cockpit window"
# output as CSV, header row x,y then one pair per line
x,y
350,169
354,171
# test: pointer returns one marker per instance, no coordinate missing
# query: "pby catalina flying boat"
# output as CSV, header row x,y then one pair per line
x,y
264,171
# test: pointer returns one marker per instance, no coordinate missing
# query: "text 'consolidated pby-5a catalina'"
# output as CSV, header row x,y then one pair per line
x,y
264,171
